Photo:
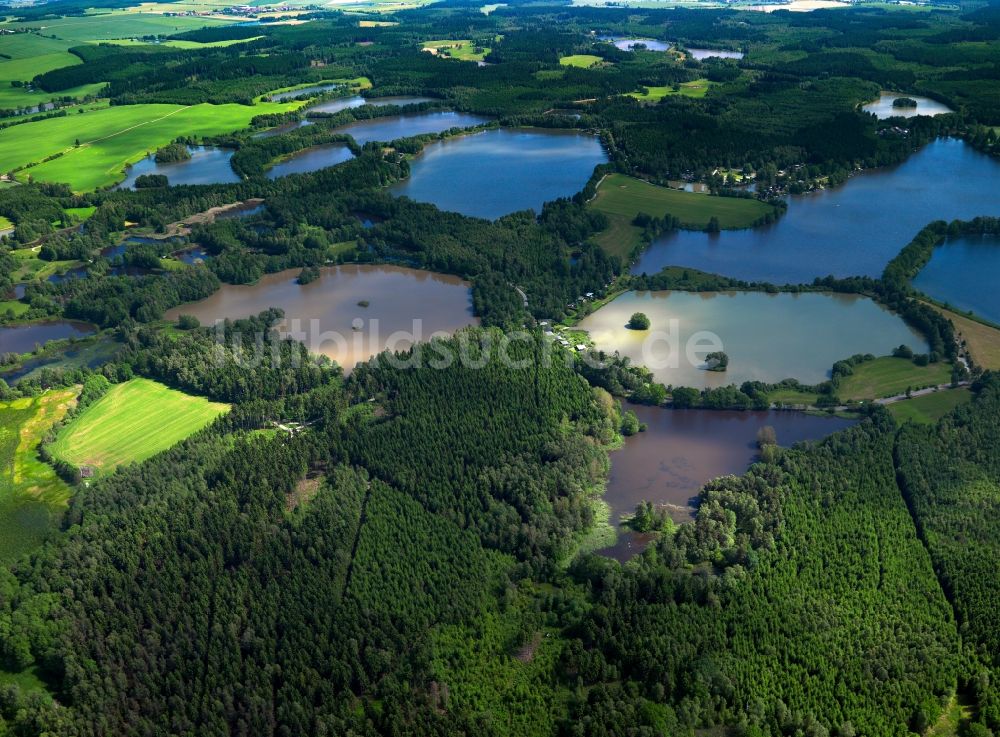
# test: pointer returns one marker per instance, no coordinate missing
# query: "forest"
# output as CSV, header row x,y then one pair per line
x,y
412,545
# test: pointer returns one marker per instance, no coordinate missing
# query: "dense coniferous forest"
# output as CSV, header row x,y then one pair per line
x,y
407,546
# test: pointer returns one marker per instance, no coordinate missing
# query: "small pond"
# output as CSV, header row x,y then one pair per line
x,y
207,165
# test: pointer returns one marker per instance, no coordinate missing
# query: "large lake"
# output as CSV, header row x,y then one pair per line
x,y
404,126
207,165
854,229
768,337
681,450
883,107
964,273
403,305
497,172
23,338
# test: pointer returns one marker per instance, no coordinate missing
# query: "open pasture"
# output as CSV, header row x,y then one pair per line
x,y
132,422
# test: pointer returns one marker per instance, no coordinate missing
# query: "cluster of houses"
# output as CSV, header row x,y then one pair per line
x,y
242,11
560,339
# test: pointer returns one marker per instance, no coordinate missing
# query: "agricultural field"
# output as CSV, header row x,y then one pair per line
x,y
31,495
696,88
584,61
889,376
621,198
462,50
929,408
132,422
111,138
31,55
115,24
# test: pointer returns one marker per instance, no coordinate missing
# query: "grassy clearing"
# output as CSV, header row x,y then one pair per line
x,y
460,49
584,61
889,376
929,408
31,267
27,680
111,138
697,88
31,495
982,340
621,198
13,307
80,214
132,422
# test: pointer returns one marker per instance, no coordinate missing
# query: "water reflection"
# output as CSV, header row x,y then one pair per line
x,y
681,450
384,300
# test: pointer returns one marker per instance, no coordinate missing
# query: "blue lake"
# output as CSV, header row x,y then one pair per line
x,y
965,273
404,126
207,165
854,229
497,172
311,159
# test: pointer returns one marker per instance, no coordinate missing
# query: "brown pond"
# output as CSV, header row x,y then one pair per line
x,y
681,450
403,306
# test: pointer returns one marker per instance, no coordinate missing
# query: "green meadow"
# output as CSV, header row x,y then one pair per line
x,y
31,55
889,376
696,88
132,422
929,408
621,198
584,61
32,497
110,138
74,30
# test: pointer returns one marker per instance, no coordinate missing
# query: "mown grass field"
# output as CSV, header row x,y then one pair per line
x,y
584,61
31,495
621,198
132,422
929,408
110,138
696,88
983,341
889,376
